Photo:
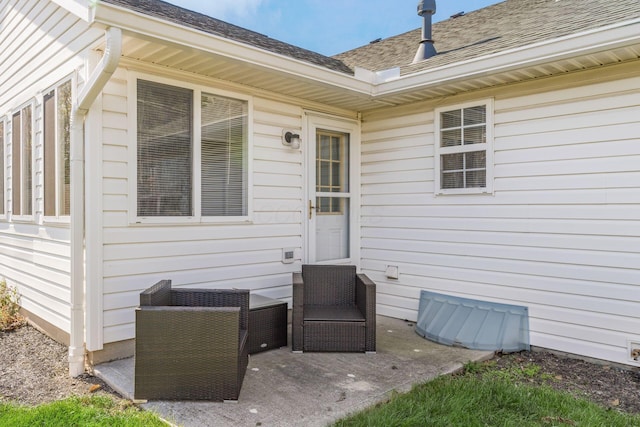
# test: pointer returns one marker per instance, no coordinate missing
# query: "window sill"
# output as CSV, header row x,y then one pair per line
x,y
23,219
189,221
57,221
464,192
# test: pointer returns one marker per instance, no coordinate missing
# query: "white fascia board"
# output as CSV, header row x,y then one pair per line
x,y
80,8
580,44
160,29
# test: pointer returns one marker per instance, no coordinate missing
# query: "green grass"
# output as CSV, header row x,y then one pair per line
x,y
78,411
481,396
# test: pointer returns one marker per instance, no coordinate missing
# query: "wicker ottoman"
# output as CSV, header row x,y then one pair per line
x,y
267,323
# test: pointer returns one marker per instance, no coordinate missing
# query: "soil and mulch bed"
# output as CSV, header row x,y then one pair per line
x,y
609,386
34,370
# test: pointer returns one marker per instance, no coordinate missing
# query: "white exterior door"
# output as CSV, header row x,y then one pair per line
x,y
331,190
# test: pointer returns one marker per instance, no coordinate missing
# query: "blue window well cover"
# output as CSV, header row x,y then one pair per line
x,y
474,324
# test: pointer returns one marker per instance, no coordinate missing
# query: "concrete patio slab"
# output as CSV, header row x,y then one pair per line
x,y
282,388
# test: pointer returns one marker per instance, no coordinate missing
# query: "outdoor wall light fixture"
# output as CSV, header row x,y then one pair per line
x,y
291,139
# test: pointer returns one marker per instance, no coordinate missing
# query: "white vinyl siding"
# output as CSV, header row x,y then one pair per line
x,y
244,255
560,234
40,45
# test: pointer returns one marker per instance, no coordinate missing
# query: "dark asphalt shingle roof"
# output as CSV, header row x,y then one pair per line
x,y
198,21
502,26
506,25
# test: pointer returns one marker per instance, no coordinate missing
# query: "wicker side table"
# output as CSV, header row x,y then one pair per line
x,y
267,323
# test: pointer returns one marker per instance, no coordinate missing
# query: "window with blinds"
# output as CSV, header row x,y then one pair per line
x,y
168,179
22,162
57,138
223,156
165,148
463,143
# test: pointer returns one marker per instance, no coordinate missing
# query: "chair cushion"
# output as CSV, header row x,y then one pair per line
x,y
334,313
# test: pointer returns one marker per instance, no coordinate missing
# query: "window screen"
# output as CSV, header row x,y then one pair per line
x,y
463,156
224,156
27,162
22,162
49,154
16,165
165,147
63,164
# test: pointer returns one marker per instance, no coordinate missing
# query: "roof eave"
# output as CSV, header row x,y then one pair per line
x,y
372,89
112,15
576,45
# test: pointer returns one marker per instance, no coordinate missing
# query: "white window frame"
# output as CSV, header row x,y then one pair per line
x,y
487,147
24,217
196,167
59,166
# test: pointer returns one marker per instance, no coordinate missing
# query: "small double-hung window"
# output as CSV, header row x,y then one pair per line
x,y
463,148
192,153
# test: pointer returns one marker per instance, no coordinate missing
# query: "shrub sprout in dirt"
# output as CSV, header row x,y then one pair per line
x,y
9,306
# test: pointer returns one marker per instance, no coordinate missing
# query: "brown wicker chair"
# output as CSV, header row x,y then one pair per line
x,y
334,309
191,344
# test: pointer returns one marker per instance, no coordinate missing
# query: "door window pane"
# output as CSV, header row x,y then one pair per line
x,y
332,231
332,167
